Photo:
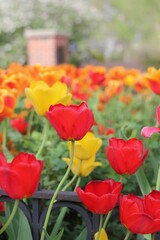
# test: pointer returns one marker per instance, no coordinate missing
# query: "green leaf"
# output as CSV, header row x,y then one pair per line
x,y
58,223
144,237
19,227
143,181
57,237
11,230
147,236
24,228
82,235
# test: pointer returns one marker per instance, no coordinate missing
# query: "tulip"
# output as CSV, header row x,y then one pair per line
x,y
141,215
152,77
19,124
86,147
20,178
100,196
86,166
7,104
84,155
103,235
125,157
149,131
70,122
42,96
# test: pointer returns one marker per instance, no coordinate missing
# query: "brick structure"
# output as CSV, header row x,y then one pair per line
x,y
46,47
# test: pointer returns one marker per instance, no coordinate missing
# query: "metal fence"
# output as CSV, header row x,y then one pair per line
x,y
35,214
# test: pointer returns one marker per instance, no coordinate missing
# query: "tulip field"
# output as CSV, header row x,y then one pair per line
x,y
92,130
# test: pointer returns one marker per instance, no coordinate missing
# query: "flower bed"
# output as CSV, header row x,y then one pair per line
x,y
92,119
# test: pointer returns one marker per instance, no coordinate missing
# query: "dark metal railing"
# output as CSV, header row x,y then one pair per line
x,y
35,214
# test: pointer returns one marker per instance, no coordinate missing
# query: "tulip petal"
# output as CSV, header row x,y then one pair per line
x,y
141,223
149,131
103,235
152,199
99,205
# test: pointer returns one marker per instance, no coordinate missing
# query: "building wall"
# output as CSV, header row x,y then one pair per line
x,y
46,48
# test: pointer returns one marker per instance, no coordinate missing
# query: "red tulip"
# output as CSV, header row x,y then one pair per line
x,y
148,131
100,196
125,157
141,215
20,178
71,122
19,124
155,86
2,207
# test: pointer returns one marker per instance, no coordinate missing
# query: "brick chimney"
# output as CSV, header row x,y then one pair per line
x,y
46,47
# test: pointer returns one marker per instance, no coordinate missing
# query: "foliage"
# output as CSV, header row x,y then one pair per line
x,y
99,31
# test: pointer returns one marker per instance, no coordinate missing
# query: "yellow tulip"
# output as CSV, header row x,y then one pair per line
x,y
86,147
42,96
103,235
86,167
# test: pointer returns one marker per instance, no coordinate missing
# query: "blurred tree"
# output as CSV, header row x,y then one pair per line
x,y
98,29
135,29
76,20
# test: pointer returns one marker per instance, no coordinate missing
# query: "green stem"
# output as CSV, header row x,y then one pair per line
x,y
56,193
100,227
15,207
107,219
127,235
45,134
143,182
74,177
78,183
158,180
30,121
64,210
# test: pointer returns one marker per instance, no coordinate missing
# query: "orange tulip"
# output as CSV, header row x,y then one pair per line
x,y
7,104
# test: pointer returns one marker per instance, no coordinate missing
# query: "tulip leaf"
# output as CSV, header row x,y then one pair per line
x,y
59,221
143,182
147,236
11,229
57,237
24,228
82,235
144,237
19,227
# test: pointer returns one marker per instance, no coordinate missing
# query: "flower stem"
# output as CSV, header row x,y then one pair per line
x,y
127,235
15,207
107,219
78,182
74,177
100,227
56,193
30,121
45,134
64,209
